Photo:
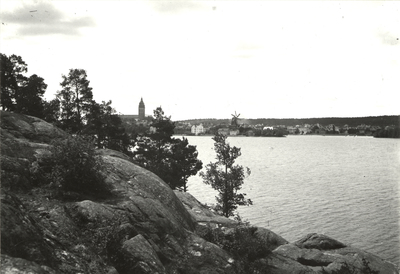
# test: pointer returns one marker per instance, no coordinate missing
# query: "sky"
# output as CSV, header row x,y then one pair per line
x,y
208,59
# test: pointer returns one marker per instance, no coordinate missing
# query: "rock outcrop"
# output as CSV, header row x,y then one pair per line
x,y
143,227
314,251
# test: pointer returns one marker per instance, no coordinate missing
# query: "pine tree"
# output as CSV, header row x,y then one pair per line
x,y
29,98
12,79
75,100
172,159
105,127
226,177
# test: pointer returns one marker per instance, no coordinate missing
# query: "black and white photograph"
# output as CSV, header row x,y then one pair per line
x,y
200,136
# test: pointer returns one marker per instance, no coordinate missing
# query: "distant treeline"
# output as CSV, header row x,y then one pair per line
x,y
388,133
393,120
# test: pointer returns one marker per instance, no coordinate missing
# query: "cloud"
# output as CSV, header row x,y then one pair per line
x,y
176,6
43,18
388,38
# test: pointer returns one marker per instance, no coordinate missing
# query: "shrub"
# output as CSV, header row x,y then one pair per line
x,y
241,243
72,166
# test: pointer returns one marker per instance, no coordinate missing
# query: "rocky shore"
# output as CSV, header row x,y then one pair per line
x,y
144,227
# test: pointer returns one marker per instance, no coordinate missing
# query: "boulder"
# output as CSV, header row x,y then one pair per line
x,y
138,256
318,241
278,264
329,258
272,239
23,138
145,196
31,129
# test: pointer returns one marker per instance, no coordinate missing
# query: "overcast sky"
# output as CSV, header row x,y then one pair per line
x,y
208,59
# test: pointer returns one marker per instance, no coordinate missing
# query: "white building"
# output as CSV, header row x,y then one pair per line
x,y
268,128
196,130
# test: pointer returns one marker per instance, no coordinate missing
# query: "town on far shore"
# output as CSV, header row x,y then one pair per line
x,y
377,126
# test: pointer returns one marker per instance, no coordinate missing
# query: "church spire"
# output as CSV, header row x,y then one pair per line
x,y
142,114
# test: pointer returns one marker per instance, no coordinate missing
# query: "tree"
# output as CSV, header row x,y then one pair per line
x,y
51,111
75,100
173,160
163,127
183,163
105,127
388,132
29,97
226,177
12,79
153,148
20,93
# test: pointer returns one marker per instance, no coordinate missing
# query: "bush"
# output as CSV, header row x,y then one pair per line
x,y
72,166
242,244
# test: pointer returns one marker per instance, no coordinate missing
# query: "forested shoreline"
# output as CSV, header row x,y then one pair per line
x,y
384,120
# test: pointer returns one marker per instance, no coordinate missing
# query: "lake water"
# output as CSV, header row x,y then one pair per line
x,y
343,187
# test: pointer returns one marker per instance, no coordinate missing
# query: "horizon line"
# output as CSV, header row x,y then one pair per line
x,y
292,118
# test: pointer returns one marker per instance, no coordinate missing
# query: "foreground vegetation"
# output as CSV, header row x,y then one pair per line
x,y
71,169
240,241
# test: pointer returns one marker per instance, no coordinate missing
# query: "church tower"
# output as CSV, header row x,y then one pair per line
x,y
142,114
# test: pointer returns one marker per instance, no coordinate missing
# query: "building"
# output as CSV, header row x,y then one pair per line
x,y
304,130
142,110
292,129
196,130
133,118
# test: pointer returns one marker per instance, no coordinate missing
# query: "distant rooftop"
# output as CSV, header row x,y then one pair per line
x,y
129,116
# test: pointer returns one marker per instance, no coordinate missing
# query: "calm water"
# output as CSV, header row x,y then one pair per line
x,y
343,187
